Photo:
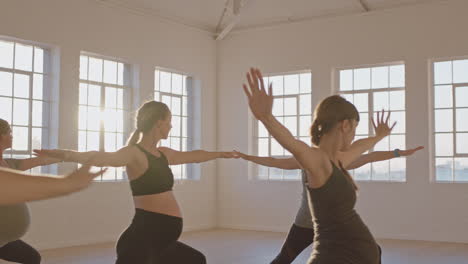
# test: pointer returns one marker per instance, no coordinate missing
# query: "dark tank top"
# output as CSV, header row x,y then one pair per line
x,y
340,234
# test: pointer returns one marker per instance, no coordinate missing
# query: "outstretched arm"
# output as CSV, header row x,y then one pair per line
x,y
379,156
26,164
196,156
285,164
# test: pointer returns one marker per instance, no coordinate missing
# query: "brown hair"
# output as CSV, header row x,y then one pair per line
x,y
148,114
4,127
327,115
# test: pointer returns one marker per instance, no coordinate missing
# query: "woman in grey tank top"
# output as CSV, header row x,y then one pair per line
x,y
14,216
301,233
340,234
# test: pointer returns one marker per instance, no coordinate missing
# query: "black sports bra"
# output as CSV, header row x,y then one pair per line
x,y
158,178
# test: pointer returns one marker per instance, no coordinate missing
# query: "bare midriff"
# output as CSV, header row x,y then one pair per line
x,y
162,203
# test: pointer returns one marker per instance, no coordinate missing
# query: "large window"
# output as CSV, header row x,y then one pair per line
x,y
24,90
372,89
450,124
175,90
292,106
103,104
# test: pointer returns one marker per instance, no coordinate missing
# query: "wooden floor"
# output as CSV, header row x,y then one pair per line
x,y
249,247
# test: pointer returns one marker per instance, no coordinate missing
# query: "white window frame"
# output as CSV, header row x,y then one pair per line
x,y
371,112
254,169
46,101
432,109
127,90
188,172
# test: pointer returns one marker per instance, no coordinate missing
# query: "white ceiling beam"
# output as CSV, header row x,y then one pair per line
x,y
237,6
363,5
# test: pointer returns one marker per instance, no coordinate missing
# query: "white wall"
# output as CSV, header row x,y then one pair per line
x,y
103,211
418,209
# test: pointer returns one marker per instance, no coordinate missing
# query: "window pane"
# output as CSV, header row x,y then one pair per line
x,y
23,57
444,167
156,80
38,60
381,101
6,83
363,173
120,120
398,169
276,174
462,143
460,71
461,169
167,100
110,120
291,84
21,112
305,104
363,126
383,145
111,97
120,102
443,120
20,138
21,86
380,170
305,123
291,124
165,82
380,77
110,142
397,142
95,69
38,84
348,97
444,144
443,96
110,71
82,117
262,131
346,80
84,67
263,147
184,106
276,149
81,141
462,119
397,76
6,108
361,101
290,106
461,96
6,54
92,141
362,79
83,94
184,127
397,100
176,106
306,82
94,95
277,83
443,72
37,113
278,107
176,84
94,118
176,126
175,143
36,139
120,73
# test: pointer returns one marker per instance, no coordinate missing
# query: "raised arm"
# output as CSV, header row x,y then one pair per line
x,y
285,164
120,158
379,156
356,149
40,187
196,156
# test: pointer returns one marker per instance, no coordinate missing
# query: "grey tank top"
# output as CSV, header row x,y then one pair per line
x,y
14,219
340,234
303,216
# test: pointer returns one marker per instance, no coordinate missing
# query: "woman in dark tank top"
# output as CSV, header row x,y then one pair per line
x,y
341,235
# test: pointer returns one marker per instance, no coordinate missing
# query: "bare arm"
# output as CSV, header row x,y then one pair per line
x,y
379,156
197,156
285,164
119,158
26,164
39,187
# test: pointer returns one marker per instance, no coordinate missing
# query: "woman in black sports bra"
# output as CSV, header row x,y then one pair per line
x,y
340,234
157,224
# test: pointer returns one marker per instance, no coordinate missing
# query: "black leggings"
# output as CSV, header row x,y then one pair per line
x,y
298,239
152,238
20,252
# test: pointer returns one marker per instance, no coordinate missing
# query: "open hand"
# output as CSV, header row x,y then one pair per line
x,y
260,101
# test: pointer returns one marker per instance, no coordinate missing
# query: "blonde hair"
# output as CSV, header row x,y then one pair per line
x,y
148,114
